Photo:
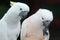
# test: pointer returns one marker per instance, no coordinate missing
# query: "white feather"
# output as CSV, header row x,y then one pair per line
x,y
32,27
10,23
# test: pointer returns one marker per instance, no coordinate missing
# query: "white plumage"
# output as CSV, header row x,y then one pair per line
x,y
10,23
33,26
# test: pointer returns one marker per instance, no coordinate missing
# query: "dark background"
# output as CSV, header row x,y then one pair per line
x,y
53,5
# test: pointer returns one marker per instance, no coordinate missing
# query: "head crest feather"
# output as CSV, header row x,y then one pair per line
x,y
12,3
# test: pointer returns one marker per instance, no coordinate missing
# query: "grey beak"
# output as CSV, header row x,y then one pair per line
x,y
23,14
46,23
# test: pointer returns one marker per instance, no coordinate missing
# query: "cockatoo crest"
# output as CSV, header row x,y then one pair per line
x,y
12,3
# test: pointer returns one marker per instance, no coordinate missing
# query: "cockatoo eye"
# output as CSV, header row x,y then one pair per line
x,y
20,8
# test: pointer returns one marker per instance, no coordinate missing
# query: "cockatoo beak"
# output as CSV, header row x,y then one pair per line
x,y
12,3
46,23
23,14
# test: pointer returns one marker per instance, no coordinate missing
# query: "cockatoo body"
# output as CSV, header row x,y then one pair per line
x,y
33,26
10,26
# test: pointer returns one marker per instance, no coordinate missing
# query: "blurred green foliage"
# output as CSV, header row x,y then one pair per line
x,y
3,10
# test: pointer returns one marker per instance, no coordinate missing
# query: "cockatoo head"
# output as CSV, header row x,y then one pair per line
x,y
20,9
46,16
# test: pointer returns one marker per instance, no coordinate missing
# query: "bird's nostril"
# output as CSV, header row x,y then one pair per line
x,y
47,21
42,18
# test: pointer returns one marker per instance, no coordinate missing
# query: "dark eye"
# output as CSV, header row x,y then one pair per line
x,y
20,8
42,18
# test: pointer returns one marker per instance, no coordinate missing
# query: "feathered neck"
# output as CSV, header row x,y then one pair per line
x,y
11,17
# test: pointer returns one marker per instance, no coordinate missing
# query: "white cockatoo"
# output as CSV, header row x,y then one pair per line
x,y
35,26
10,26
